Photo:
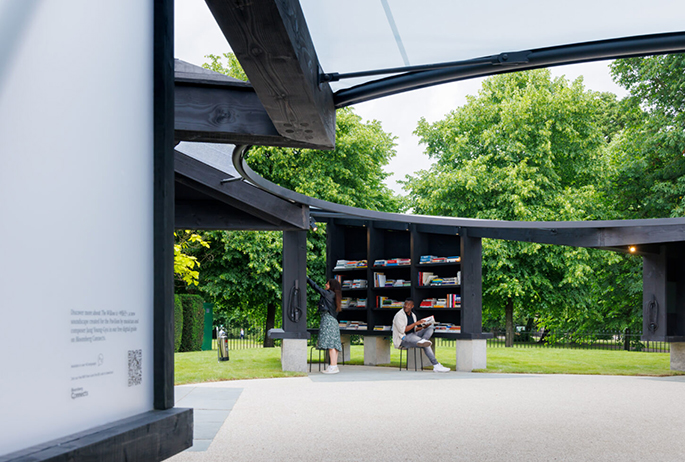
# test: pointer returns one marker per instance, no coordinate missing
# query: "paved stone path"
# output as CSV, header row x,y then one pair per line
x,y
366,413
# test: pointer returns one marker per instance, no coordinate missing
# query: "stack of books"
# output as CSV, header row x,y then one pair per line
x,y
447,327
382,328
393,262
353,303
431,279
353,325
355,284
433,259
349,264
452,301
385,302
379,280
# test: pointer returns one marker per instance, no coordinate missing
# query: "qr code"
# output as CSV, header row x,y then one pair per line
x,y
135,372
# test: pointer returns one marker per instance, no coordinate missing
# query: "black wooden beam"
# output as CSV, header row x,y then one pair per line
x,y
225,113
599,237
152,436
238,194
271,40
212,214
163,204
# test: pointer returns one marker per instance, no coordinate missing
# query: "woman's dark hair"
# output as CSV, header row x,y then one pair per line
x,y
334,285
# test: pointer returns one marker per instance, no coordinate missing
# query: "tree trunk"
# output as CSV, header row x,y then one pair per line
x,y
509,323
270,323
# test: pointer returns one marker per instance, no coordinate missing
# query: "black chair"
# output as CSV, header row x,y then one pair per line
x,y
407,361
326,359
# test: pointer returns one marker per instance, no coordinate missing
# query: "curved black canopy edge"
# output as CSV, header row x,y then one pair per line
x,y
512,62
605,233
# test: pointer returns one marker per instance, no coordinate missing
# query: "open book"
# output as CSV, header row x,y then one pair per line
x,y
425,322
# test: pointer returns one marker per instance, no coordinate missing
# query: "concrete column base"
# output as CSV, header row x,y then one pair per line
x,y
471,354
678,356
346,344
294,355
376,351
409,354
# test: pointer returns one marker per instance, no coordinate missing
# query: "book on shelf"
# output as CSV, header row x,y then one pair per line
x,y
379,279
431,279
424,259
447,327
387,302
393,262
350,264
382,328
355,284
352,325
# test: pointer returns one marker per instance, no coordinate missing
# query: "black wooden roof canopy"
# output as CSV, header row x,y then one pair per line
x,y
289,102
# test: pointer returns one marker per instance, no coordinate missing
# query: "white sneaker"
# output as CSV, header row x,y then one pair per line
x,y
440,368
331,370
424,343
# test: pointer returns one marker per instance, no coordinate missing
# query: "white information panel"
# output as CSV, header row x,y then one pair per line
x,y
76,216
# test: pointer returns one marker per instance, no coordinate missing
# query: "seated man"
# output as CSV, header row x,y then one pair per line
x,y
404,334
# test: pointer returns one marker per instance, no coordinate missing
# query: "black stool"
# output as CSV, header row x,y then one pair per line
x,y
326,359
407,362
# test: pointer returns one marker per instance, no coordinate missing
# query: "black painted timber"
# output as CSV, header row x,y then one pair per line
x,y
271,40
295,283
163,206
472,284
212,214
210,182
211,107
151,436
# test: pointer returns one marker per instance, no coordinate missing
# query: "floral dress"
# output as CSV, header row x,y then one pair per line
x,y
329,331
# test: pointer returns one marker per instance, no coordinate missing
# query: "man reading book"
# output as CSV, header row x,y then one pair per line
x,y
407,332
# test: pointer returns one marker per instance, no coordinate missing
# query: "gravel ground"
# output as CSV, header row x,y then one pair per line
x,y
381,414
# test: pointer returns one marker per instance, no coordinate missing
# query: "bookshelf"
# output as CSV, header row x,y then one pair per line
x,y
393,250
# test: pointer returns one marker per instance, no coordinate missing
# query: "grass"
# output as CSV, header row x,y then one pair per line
x,y
254,363
202,366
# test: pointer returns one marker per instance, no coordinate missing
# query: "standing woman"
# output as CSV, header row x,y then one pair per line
x,y
329,331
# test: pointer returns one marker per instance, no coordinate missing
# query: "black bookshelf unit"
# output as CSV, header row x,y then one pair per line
x,y
355,240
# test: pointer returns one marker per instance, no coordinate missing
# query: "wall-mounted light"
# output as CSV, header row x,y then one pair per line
x,y
632,249
312,224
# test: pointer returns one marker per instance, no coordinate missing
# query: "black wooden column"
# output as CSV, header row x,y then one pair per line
x,y
295,284
471,284
163,123
654,304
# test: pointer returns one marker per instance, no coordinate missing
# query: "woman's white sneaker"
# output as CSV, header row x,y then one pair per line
x,y
440,368
332,370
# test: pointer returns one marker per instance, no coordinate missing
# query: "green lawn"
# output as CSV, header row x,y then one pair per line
x,y
265,363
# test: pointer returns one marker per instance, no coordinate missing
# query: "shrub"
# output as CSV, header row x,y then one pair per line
x,y
178,322
193,322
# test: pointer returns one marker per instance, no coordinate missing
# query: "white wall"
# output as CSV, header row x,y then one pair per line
x,y
76,191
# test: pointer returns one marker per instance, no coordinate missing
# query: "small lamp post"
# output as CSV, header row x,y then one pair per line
x,y
222,344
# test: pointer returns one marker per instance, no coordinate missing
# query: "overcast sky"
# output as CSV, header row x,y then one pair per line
x,y
197,34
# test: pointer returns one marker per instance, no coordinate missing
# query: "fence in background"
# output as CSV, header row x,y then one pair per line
x,y
253,337
606,340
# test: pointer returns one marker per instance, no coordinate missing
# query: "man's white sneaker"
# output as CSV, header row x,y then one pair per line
x,y
440,368
424,343
331,370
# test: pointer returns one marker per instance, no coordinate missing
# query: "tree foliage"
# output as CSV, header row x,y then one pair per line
x,y
186,265
528,147
242,271
649,156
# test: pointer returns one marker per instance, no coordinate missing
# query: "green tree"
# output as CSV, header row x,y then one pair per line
x,y
242,272
528,147
649,155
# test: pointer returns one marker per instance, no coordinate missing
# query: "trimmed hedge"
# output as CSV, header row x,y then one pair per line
x,y
178,322
193,322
